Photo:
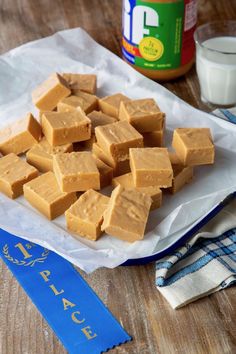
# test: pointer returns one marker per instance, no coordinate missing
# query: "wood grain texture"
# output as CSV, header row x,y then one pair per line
x,y
204,327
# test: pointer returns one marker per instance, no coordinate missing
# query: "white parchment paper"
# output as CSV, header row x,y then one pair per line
x,y
25,67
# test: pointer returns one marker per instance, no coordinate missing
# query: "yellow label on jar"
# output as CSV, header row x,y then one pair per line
x,y
151,48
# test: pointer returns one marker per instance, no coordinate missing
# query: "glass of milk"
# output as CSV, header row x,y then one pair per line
x,y
216,62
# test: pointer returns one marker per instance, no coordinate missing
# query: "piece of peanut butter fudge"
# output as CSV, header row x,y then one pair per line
x,y
151,167
40,155
81,82
181,174
85,101
126,214
194,146
85,216
62,128
119,167
44,194
20,136
144,114
14,173
111,104
127,182
116,139
105,171
47,95
76,171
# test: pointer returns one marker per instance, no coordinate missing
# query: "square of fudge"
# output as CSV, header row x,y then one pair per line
x,y
47,95
151,167
181,174
44,194
106,172
126,214
116,139
111,104
40,155
76,171
62,128
119,167
144,114
153,139
100,154
98,118
194,146
127,182
14,173
81,82
20,136
85,101
85,216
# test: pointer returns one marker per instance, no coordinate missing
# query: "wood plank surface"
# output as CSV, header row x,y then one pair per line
x,y
206,326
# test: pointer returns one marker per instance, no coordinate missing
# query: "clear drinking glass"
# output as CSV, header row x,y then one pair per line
x,y
216,62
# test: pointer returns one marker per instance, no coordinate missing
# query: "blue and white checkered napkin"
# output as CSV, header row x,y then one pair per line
x,y
206,264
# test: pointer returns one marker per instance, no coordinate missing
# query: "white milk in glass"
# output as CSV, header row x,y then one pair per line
x,y
216,68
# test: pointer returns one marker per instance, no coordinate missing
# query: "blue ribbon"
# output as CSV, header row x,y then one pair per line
x,y
78,317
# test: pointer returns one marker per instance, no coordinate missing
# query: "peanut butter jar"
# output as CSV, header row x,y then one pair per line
x,y
157,36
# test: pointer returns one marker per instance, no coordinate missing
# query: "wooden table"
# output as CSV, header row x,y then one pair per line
x,y
206,326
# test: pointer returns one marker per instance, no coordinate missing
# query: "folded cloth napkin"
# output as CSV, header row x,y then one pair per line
x,y
204,265
207,262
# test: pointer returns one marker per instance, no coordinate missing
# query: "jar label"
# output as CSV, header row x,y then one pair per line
x,y
159,36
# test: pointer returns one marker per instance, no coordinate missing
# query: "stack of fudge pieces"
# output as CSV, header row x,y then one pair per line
x,y
84,143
